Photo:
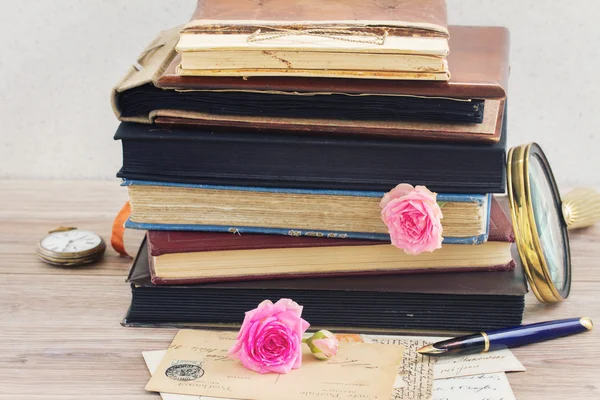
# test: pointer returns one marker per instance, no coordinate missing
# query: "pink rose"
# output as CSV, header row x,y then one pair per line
x,y
323,344
270,339
413,218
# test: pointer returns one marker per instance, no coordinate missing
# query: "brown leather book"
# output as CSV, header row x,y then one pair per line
x,y
384,39
178,257
478,60
408,16
468,108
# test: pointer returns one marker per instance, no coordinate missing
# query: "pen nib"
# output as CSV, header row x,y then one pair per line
x,y
429,350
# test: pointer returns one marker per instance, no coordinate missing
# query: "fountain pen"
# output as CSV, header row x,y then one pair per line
x,y
509,337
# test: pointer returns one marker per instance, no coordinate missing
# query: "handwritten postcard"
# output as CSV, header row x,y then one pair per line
x,y
477,364
414,379
475,387
415,376
464,365
495,386
196,363
152,360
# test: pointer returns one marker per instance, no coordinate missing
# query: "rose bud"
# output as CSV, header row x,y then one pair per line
x,y
323,344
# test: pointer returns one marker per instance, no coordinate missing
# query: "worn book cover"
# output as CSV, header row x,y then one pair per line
x,y
183,257
404,17
204,156
292,212
399,39
467,108
454,301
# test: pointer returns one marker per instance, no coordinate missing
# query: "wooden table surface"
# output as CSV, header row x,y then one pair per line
x,y
60,332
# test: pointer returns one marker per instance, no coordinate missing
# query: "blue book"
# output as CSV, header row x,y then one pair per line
x,y
295,212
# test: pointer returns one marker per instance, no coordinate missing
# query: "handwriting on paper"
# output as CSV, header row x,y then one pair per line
x,y
474,387
477,364
195,364
415,376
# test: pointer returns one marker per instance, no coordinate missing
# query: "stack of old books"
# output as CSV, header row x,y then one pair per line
x,y
258,141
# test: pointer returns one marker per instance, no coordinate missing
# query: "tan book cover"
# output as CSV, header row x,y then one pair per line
x,y
401,39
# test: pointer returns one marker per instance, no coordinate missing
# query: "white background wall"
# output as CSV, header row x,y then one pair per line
x,y
59,59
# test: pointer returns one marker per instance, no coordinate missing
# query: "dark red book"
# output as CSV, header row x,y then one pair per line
x,y
178,257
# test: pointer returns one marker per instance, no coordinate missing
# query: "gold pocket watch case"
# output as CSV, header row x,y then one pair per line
x,y
68,246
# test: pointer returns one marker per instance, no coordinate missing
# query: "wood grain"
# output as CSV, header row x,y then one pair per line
x,y
60,332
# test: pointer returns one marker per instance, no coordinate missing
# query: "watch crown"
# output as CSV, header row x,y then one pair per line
x,y
62,229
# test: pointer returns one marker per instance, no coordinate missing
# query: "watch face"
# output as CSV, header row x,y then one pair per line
x,y
73,241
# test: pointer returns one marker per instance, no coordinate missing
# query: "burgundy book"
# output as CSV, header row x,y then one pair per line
x,y
178,257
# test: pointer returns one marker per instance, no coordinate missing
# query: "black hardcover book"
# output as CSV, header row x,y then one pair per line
x,y
147,98
469,301
182,155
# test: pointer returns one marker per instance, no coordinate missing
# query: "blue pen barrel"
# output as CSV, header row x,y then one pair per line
x,y
527,334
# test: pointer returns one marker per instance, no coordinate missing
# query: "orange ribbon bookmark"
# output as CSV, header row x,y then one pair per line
x,y
118,230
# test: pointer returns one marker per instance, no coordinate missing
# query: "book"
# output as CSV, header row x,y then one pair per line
x,y
203,156
214,61
468,108
343,39
435,302
479,60
184,257
293,212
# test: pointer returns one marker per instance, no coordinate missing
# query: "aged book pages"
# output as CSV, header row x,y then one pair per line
x,y
293,59
338,28
302,43
348,259
163,204
315,73
310,56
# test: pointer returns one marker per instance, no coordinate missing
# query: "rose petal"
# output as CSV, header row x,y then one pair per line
x,y
397,192
327,346
291,305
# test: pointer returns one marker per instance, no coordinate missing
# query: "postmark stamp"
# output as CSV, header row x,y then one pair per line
x,y
181,370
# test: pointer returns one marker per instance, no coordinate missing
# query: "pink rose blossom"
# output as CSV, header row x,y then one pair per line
x,y
413,218
270,339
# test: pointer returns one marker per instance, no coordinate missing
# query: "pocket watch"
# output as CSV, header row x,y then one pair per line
x,y
68,246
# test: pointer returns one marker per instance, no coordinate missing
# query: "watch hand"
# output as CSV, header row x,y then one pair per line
x,y
67,245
